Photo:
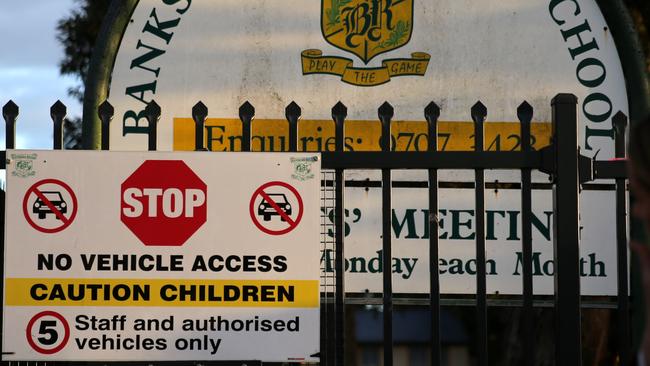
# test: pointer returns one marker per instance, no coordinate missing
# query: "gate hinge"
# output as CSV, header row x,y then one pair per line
x,y
548,160
585,169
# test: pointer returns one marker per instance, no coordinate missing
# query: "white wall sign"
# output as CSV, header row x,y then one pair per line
x,y
161,256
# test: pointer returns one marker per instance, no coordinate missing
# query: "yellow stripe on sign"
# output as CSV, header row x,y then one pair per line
x,y
162,292
224,134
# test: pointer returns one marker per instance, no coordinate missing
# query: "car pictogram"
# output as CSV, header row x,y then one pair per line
x,y
55,199
266,210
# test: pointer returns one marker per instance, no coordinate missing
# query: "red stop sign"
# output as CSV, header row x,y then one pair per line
x,y
163,202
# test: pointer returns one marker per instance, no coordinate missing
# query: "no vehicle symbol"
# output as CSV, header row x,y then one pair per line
x,y
276,208
47,332
50,206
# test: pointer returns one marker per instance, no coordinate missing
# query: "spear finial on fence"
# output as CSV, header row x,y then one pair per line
x,y
292,113
431,114
385,113
525,116
246,114
199,114
10,114
152,113
339,112
479,113
58,112
106,112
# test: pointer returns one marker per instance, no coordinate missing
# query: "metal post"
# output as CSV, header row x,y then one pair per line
x,y
566,230
58,112
386,113
10,115
479,113
199,114
339,112
432,113
620,123
292,113
152,113
525,116
106,112
246,114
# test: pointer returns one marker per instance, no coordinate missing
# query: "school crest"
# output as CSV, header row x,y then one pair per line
x,y
302,168
23,165
365,28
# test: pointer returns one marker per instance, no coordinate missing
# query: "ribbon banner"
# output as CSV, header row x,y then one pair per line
x,y
313,62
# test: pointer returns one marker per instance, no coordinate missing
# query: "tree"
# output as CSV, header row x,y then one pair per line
x,y
77,34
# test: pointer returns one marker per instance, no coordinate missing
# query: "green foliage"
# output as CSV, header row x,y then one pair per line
x,y
334,13
396,36
77,34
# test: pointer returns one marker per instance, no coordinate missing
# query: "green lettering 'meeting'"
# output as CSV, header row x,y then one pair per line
x,y
409,221
462,226
545,230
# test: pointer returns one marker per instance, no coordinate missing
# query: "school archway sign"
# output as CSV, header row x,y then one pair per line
x,y
410,52
363,53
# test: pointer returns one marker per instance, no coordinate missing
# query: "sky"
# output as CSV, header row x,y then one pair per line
x,y
29,72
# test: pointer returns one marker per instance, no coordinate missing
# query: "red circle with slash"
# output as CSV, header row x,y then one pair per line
x,y
269,207
49,201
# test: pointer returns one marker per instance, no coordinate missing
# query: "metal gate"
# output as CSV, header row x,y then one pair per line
x,y
561,161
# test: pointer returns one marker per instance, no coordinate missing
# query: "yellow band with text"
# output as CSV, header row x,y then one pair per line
x,y
313,62
224,134
162,292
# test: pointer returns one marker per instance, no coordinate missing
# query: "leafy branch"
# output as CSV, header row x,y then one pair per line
x,y
334,13
396,35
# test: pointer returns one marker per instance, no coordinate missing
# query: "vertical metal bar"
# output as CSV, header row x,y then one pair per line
x,y
292,113
10,115
339,112
479,113
199,114
620,123
525,115
152,113
432,113
565,229
58,112
246,114
386,113
106,112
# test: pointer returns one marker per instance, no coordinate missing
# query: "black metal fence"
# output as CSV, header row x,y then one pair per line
x,y
561,160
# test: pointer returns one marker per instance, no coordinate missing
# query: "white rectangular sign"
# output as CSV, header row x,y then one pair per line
x,y
139,256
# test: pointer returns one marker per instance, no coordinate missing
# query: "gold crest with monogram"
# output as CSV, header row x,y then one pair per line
x,y
365,28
